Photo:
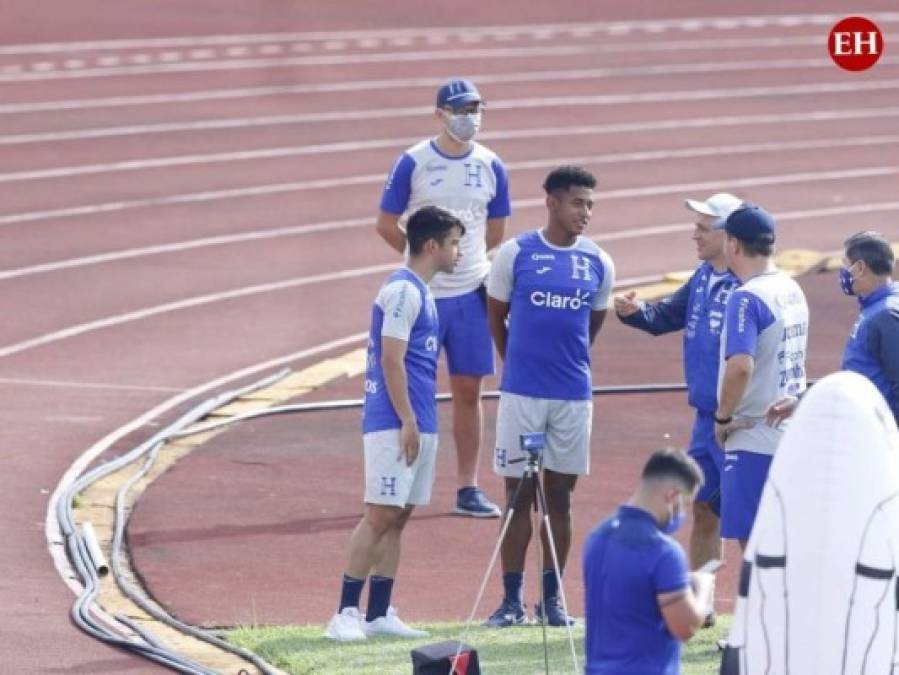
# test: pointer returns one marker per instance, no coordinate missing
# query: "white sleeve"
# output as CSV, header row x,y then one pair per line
x,y
601,300
501,279
401,304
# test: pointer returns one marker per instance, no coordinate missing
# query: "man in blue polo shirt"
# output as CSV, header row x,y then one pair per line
x,y
873,346
697,308
399,425
640,600
547,298
453,171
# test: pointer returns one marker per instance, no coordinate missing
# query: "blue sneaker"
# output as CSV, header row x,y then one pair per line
x,y
555,615
471,501
510,613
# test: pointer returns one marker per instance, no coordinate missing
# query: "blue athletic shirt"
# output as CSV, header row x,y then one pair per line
x,y
551,291
627,562
699,310
404,309
474,187
873,346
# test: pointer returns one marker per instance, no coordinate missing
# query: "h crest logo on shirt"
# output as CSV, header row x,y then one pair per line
x,y
473,175
580,267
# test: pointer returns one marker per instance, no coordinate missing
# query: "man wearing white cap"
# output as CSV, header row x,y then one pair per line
x,y
454,172
697,308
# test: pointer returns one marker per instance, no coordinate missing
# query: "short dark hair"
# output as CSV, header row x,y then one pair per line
x,y
674,463
763,246
873,249
564,177
430,222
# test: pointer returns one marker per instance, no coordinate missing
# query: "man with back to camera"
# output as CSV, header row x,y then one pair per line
x,y
697,308
451,170
873,346
763,351
399,424
553,286
640,600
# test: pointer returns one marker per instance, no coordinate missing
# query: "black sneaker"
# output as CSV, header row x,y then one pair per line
x,y
471,501
555,615
510,613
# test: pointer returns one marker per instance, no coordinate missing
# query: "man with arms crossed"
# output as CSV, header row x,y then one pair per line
x,y
697,308
469,180
553,286
399,424
763,351
640,600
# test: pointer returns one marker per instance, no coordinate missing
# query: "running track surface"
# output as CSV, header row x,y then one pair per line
x,y
181,203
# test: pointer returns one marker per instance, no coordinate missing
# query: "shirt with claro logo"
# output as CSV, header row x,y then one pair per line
x,y
552,291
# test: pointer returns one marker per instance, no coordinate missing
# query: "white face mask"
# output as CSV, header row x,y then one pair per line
x,y
462,127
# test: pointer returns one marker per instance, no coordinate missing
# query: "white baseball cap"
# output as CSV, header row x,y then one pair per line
x,y
719,206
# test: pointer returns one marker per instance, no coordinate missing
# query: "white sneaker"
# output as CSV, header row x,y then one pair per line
x,y
391,625
346,626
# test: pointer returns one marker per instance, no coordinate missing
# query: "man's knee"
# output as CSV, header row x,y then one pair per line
x,y
381,518
466,390
559,488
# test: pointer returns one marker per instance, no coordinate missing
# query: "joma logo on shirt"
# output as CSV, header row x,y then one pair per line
x,y
558,301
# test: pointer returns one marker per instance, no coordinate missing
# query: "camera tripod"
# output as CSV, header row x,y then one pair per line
x,y
532,445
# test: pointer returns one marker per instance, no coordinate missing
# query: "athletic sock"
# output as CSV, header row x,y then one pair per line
x,y
550,585
379,590
513,583
350,592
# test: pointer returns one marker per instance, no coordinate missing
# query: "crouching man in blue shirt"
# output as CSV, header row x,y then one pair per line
x,y
641,601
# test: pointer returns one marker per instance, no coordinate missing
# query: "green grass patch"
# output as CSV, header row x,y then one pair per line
x,y
303,650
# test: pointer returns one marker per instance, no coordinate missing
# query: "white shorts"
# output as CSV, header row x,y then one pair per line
x,y
567,425
389,480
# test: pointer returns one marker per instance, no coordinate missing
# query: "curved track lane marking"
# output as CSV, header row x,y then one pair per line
x,y
198,301
280,188
288,151
212,124
423,82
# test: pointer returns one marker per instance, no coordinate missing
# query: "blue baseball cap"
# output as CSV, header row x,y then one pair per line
x,y
751,223
456,93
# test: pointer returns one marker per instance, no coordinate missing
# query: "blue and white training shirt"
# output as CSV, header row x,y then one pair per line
x,y
766,318
474,187
404,309
552,291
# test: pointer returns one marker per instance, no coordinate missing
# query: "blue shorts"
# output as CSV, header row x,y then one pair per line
x,y
465,335
742,482
710,457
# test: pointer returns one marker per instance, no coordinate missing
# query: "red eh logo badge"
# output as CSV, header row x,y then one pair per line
x,y
855,43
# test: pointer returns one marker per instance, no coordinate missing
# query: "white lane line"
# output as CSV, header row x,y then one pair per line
x,y
80,465
782,91
429,56
342,275
427,82
595,159
749,20
65,384
260,190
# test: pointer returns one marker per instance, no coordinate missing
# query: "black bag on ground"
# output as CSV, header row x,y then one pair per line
x,y
436,659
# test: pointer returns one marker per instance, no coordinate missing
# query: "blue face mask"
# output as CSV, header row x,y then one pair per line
x,y
675,521
846,281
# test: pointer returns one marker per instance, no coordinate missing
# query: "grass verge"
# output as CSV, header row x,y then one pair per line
x,y
303,650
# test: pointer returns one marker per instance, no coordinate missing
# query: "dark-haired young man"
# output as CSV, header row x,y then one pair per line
x,y
455,172
763,350
399,424
553,286
640,600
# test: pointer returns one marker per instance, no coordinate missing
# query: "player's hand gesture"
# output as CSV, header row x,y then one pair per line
x,y
781,410
626,303
410,442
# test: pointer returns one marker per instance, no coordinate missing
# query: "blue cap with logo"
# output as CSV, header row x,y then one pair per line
x,y
456,93
750,223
